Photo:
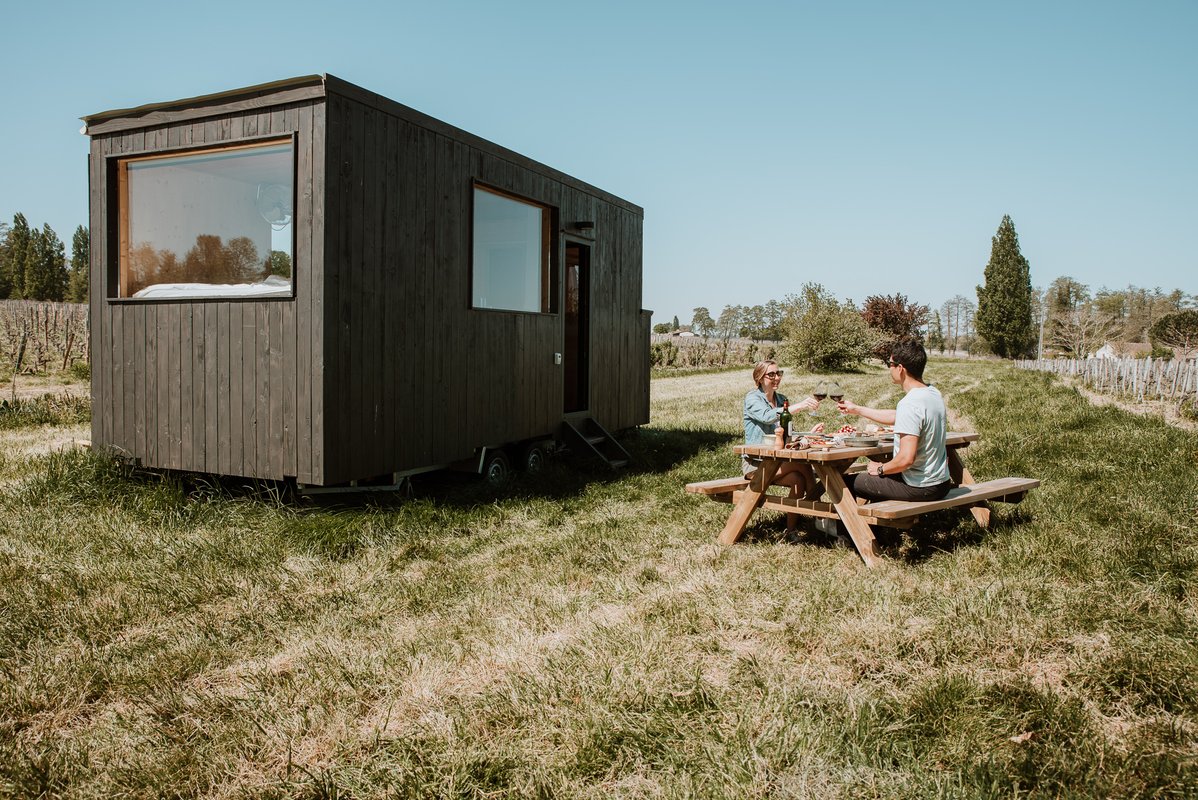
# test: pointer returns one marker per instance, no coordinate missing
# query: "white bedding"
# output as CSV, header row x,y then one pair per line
x,y
274,286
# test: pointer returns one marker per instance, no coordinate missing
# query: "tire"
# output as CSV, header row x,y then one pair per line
x,y
532,458
497,470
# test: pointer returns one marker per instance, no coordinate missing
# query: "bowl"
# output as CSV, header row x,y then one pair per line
x,y
861,441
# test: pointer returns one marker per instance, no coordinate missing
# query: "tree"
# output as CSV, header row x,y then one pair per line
x,y
80,266
18,240
1113,304
661,327
674,324
702,323
894,318
1144,308
823,334
752,322
1082,331
1178,330
1004,315
936,333
279,263
45,266
958,313
1066,294
4,284
772,320
728,325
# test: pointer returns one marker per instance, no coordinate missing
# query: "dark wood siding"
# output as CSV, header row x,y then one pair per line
x,y
415,377
379,364
211,386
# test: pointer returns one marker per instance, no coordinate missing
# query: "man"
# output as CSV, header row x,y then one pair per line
x,y
918,469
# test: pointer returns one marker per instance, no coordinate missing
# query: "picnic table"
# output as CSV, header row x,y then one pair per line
x,y
858,515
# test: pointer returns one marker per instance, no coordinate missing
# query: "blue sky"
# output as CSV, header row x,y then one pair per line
x,y
872,147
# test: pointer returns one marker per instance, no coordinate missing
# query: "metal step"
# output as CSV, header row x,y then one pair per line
x,y
590,437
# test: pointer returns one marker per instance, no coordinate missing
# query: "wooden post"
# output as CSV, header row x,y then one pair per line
x,y
838,492
962,477
752,497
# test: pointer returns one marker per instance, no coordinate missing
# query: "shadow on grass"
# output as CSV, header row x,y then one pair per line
x,y
944,531
653,451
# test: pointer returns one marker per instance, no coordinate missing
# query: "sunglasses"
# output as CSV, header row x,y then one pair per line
x,y
775,374
890,362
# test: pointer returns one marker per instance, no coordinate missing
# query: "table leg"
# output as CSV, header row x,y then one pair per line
x,y
846,507
962,477
750,498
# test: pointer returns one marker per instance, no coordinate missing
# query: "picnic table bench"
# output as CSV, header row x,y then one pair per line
x,y
858,515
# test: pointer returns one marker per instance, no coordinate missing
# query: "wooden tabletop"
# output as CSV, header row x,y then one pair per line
x,y
820,454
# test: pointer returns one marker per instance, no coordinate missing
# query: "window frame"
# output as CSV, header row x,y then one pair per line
x,y
550,290
117,216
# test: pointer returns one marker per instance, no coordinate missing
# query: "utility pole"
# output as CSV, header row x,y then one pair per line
x,y
1042,297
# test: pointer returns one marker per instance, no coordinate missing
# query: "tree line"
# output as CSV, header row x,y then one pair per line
x,y
34,266
1010,318
209,260
1077,321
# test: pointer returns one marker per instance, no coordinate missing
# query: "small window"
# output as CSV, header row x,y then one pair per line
x,y
511,260
207,223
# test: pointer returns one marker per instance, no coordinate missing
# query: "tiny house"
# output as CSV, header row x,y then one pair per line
x,y
305,280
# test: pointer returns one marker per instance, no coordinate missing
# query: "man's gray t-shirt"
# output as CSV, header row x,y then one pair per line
x,y
921,412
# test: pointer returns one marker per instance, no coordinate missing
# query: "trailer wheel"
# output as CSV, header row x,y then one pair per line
x,y
496,469
532,458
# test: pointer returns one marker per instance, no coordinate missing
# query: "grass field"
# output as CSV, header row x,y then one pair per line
x,y
581,635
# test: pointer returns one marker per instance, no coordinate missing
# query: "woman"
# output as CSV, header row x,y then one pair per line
x,y
762,407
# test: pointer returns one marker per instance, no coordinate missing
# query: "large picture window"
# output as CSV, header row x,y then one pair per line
x,y
217,222
511,258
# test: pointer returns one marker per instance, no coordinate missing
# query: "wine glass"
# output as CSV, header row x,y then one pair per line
x,y
819,393
835,393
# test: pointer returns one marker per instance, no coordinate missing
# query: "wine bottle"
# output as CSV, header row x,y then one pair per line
x,y
784,420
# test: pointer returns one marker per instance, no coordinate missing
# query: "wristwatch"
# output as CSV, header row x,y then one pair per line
x,y
880,473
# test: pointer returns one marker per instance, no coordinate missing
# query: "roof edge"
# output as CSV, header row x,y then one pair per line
x,y
205,99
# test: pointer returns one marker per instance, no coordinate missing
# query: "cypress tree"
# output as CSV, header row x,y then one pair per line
x,y
80,266
1004,315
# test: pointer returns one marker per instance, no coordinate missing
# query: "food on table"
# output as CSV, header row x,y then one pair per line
x,y
847,429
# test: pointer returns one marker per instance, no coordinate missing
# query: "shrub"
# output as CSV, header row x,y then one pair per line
x,y
824,334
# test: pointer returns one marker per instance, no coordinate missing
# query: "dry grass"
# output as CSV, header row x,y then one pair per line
x,y
586,638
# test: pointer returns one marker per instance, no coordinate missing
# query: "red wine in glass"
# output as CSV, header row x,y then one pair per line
x,y
819,393
835,392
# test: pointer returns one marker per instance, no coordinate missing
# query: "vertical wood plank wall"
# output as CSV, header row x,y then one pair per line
x,y
213,386
416,377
